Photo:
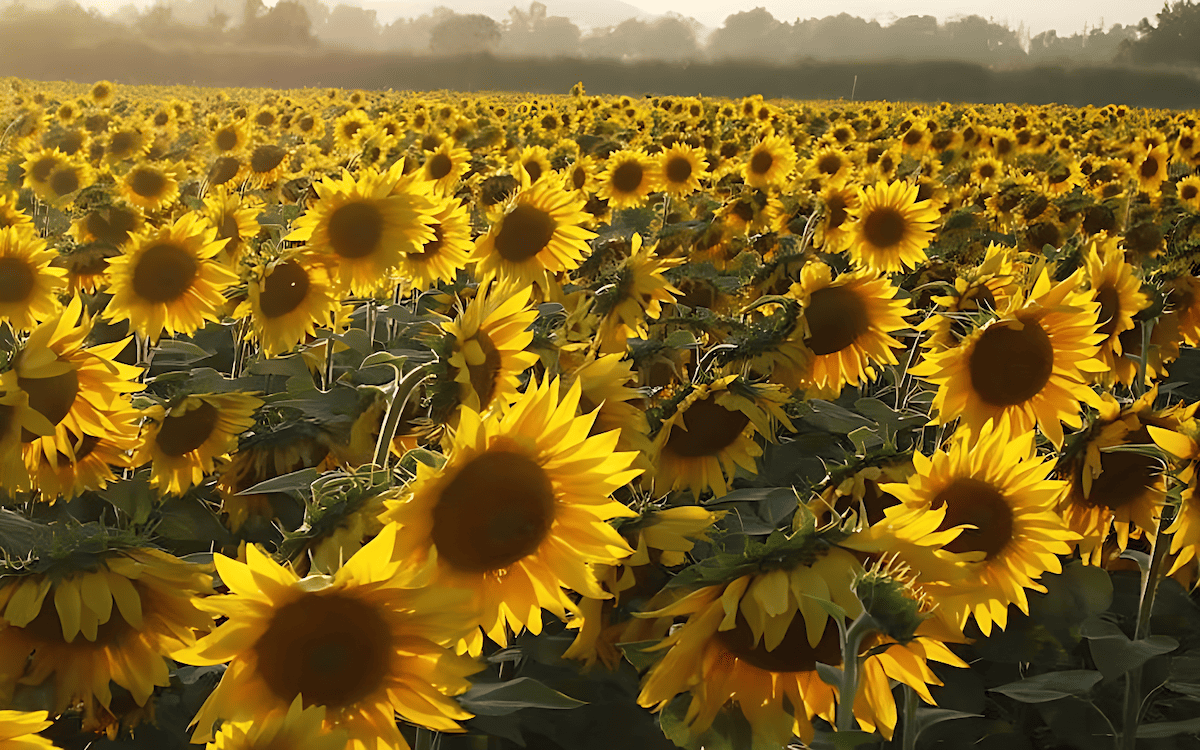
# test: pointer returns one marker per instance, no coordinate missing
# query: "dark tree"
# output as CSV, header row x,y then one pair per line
x,y
1175,40
464,35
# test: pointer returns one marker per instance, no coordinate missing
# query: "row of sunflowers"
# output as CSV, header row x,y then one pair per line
x,y
339,419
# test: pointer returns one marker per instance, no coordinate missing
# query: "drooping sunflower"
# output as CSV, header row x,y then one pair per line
x,y
115,621
628,179
94,459
76,390
1117,289
17,419
1150,168
363,227
993,484
182,443
366,643
1117,492
1024,367
267,455
891,228
150,187
769,163
637,295
838,202
539,231
519,511
606,383
168,279
488,343
288,299
985,289
681,167
712,432
846,325
29,285
446,165
298,728
441,258
235,217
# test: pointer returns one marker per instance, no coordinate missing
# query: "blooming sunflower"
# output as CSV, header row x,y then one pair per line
x,y
29,285
607,392
299,728
488,342
833,233
1188,190
168,279
18,730
994,486
891,228
846,326
519,511
829,167
1150,168
987,288
363,228
94,459
769,163
681,167
288,299
1116,287
539,231
116,621
628,179
711,433
366,643
182,443
235,218
230,138
1023,367
441,258
1116,490
1180,443
150,187
445,166
635,296
17,419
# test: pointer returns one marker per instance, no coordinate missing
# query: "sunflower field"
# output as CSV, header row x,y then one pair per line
x,y
375,420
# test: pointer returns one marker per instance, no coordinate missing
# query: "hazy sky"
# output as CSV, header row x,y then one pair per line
x,y
1064,16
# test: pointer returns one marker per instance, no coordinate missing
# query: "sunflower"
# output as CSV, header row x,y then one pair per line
x,y
769,163
1116,287
846,326
1150,168
93,460
149,187
830,167
1117,490
539,231
519,511
12,216
366,643
606,384
73,388
102,93
17,419
19,730
38,166
1062,178
268,163
182,443
628,179
891,227
711,433
837,204
987,288
363,229
1180,443
986,172
168,279
288,299
681,167
299,728
637,295
446,165
441,258
350,130
1023,367
235,217
116,621
995,488
264,456
1188,190
580,177
29,285
488,343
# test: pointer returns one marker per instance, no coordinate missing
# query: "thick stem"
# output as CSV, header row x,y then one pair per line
x,y
851,662
399,398
328,377
1150,579
908,738
424,739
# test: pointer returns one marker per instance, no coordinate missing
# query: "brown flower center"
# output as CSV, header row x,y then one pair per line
x,y
761,162
708,428
1124,477
433,248
332,649
975,502
534,169
524,233
224,169
679,170
627,177
355,229
884,227
485,374
1011,365
835,209
1149,167
51,397
185,433
495,511
1110,309
64,182
836,317
164,273
284,289
440,165
17,280
226,140
829,164
793,654
147,182
266,157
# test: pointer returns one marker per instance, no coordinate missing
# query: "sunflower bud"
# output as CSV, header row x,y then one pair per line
x,y
889,595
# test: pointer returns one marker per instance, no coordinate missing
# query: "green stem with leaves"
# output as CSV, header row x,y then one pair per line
x,y
398,398
852,639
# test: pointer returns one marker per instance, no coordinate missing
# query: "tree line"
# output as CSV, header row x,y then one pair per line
x,y
1172,39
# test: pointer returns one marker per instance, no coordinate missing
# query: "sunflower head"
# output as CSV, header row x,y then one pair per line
x,y
892,227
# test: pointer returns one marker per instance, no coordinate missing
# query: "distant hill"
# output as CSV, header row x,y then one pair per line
x,y
586,14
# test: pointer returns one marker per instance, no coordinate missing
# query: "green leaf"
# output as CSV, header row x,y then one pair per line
x,y
927,716
830,675
501,698
298,482
186,518
864,438
681,339
895,421
831,609
729,730
639,654
1113,651
830,417
131,496
1051,686
1161,729
180,352
844,740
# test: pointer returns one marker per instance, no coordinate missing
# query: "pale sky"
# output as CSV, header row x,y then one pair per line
x,y
1065,16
